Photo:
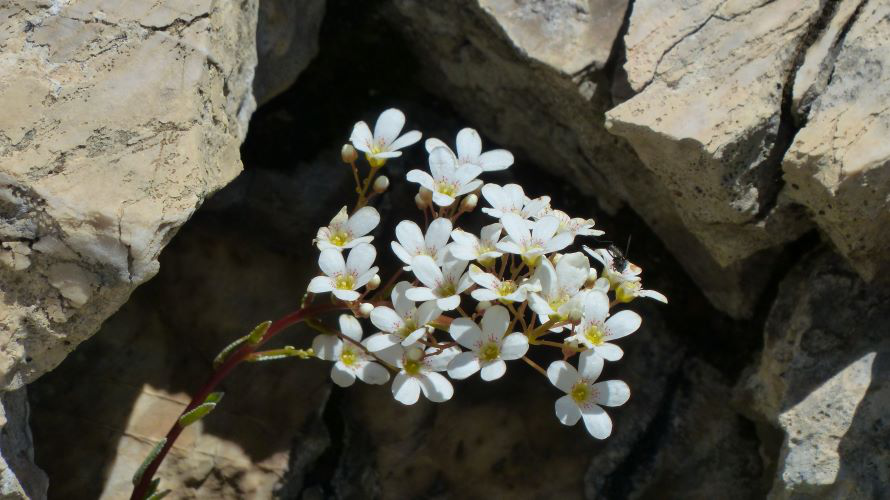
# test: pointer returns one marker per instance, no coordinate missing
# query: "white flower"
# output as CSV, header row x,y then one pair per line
x,y
442,285
385,143
405,325
494,288
344,278
616,268
418,373
489,348
412,241
466,246
351,361
630,290
347,231
575,226
448,179
542,238
469,152
596,332
584,397
511,199
558,286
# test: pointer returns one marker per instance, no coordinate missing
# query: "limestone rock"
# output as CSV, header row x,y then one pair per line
x,y
839,163
492,65
20,479
822,380
287,40
119,118
707,118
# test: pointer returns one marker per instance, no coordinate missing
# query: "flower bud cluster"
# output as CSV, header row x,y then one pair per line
x,y
518,277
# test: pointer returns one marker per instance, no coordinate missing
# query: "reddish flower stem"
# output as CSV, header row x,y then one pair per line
x,y
233,360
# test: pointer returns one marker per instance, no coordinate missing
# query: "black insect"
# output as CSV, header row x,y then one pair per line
x,y
619,258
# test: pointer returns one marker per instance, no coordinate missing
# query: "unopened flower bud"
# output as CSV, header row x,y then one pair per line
x,y
426,195
380,184
373,283
348,153
468,204
414,353
483,306
365,309
421,205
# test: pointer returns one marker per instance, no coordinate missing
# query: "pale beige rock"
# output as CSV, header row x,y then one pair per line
x,y
20,479
839,163
14,255
707,118
821,380
119,118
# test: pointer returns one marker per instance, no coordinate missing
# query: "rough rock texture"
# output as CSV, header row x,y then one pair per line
x,y
119,118
707,118
19,477
491,63
839,163
823,380
286,40
234,263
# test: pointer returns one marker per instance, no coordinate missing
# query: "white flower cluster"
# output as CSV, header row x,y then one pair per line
x,y
528,289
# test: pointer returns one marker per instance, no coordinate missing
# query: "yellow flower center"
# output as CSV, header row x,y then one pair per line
x,y
412,367
580,392
506,288
348,357
489,352
410,326
373,160
344,282
531,262
627,291
340,238
446,290
558,302
446,188
595,335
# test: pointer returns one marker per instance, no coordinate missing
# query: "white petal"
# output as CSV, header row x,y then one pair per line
x,y
494,195
326,346
590,365
652,294
410,236
361,137
361,258
482,278
346,295
433,143
442,200
402,304
465,332
439,362
380,341
331,262
496,159
611,393
483,294
572,270
387,154
422,178
358,241
389,124
495,322
420,294
469,144
341,375
426,270
386,319
567,412
622,324
320,284
515,227
539,305
453,269
437,234
392,354
350,327
609,352
463,365
508,246
558,242
426,313
493,370
414,336
491,232
372,373
448,303
365,277
598,423
402,253
562,375
514,346
600,254
545,228
407,139
442,163
436,387
363,221
405,389
469,187
596,306
545,275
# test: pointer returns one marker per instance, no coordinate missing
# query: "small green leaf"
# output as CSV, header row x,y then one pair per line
x,y
151,456
257,334
285,352
159,495
214,397
153,486
221,357
196,414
